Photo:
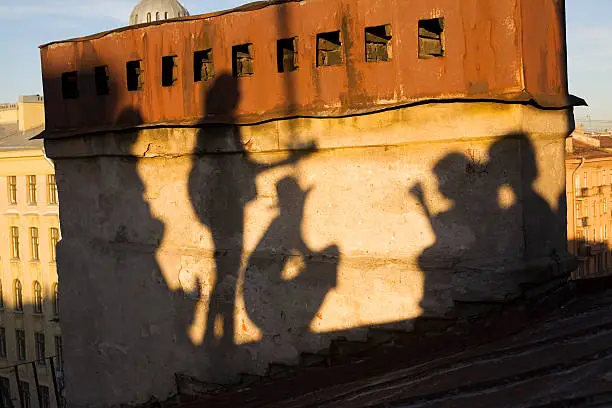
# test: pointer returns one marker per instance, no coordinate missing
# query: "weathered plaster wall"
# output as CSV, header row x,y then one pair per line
x,y
348,224
9,115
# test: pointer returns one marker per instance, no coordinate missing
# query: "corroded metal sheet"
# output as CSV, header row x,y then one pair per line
x,y
493,50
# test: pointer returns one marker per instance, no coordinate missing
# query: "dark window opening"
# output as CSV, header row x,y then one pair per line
x,y
101,78
286,55
169,70
21,346
378,43
135,78
203,67
70,85
242,60
431,38
329,49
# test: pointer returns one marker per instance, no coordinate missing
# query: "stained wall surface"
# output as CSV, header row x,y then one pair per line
x,y
217,251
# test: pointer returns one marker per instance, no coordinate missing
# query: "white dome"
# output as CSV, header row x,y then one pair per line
x,y
154,10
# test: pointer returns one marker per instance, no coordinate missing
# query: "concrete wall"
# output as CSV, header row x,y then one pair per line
x,y
215,251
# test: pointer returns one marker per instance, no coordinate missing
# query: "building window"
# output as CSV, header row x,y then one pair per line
x,y
578,210
21,345
605,232
32,190
148,17
286,55
329,49
18,295
12,189
169,70
431,38
25,394
14,242
43,391
56,308
54,240
378,43
70,85
51,189
39,341
166,15
203,66
2,343
242,60
585,179
5,391
34,244
101,80
135,75
157,16
38,298
59,352
1,296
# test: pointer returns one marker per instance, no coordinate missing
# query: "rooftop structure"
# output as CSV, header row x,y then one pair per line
x,y
310,59
242,188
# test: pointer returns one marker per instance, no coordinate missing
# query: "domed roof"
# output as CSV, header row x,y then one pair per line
x,y
155,10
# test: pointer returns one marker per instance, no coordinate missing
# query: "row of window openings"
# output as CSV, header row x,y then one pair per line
x,y
157,16
39,341
603,234
579,207
24,390
31,190
600,176
329,53
38,297
54,238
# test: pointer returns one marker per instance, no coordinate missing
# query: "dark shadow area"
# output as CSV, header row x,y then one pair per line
x,y
220,186
31,353
316,276
594,259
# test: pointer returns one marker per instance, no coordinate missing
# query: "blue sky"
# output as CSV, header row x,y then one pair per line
x,y
25,24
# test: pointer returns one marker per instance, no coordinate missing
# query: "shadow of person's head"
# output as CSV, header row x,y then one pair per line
x,y
518,145
291,197
222,97
450,172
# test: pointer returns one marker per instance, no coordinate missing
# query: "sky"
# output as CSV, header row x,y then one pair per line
x,y
26,24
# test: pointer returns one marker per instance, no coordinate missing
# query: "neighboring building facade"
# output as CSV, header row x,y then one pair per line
x,y
29,221
589,199
234,198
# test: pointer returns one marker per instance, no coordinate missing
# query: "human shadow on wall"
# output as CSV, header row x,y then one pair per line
x,y
479,246
278,304
221,184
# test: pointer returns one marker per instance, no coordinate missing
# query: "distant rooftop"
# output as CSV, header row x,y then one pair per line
x,y
31,99
12,139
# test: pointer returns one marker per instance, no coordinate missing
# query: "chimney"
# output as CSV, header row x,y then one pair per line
x,y
31,112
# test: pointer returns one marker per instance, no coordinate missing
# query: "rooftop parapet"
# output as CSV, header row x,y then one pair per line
x,y
317,58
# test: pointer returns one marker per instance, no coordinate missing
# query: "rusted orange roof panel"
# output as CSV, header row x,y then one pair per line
x,y
493,50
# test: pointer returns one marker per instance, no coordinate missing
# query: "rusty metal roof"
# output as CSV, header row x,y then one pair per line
x,y
526,65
